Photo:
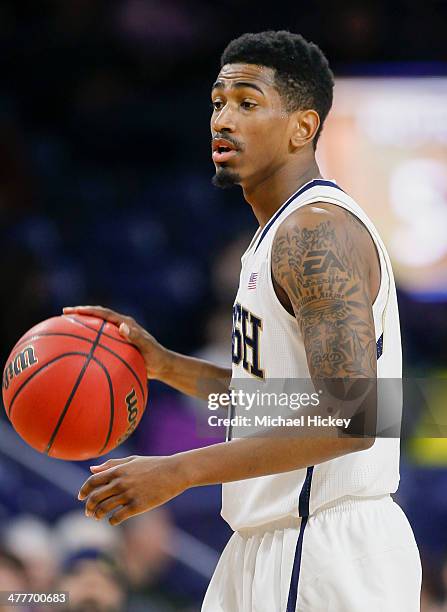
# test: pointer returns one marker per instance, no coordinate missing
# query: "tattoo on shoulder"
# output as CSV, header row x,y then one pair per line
x,y
322,270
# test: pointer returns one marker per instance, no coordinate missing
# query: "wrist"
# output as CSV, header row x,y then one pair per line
x,y
164,365
184,468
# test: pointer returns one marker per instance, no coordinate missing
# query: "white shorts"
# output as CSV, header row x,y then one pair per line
x,y
357,556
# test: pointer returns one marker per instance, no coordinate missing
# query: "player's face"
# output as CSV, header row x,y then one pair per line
x,y
249,125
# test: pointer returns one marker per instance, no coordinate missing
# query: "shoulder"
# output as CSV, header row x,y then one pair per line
x,y
320,226
320,239
322,215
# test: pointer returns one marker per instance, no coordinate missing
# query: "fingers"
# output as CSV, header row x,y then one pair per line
x,y
109,464
124,331
107,506
123,514
100,495
97,311
126,325
95,482
132,332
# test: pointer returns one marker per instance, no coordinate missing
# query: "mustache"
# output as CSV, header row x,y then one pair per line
x,y
238,145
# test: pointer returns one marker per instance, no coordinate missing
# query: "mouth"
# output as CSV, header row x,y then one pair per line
x,y
223,150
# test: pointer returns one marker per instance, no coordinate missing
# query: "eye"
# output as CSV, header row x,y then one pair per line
x,y
216,105
247,105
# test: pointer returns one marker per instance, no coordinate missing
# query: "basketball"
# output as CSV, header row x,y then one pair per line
x,y
73,388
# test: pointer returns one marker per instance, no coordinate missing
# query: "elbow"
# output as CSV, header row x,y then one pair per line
x,y
360,444
348,445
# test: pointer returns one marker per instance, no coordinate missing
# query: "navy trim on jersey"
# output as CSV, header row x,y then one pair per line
x,y
379,346
295,578
314,183
303,506
303,503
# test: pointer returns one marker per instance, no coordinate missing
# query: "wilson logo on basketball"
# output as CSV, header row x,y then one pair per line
x,y
132,414
22,361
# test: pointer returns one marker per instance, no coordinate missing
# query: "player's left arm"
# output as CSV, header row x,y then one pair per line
x,y
322,261
321,265
326,271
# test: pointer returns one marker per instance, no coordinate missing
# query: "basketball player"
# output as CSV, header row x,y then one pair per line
x,y
315,526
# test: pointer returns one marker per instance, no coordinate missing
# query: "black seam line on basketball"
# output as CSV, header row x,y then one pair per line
x,y
74,389
112,404
46,335
43,367
104,334
90,341
49,334
124,362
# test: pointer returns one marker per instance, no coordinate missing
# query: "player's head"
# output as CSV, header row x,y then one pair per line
x,y
272,95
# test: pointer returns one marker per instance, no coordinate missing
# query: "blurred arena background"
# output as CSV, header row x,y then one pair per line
x,y
105,197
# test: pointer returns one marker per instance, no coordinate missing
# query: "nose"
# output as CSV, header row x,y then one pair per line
x,y
223,120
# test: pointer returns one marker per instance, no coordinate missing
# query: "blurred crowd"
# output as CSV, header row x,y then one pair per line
x,y
105,197
104,569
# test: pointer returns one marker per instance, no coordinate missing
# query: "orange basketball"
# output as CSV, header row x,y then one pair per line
x,y
73,388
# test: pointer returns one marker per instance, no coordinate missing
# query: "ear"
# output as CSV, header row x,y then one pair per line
x,y
305,125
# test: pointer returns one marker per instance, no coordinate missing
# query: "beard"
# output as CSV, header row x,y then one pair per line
x,y
226,178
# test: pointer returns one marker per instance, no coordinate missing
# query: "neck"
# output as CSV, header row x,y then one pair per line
x,y
266,196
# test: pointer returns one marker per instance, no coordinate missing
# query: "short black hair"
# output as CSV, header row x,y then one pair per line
x,y
302,74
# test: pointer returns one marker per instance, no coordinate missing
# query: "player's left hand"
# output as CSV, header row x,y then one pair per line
x,y
130,486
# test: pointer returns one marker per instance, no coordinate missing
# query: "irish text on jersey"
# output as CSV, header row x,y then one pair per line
x,y
247,328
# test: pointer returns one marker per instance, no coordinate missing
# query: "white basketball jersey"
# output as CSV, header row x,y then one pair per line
x,y
281,355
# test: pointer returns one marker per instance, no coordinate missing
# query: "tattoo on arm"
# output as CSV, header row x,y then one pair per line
x,y
324,274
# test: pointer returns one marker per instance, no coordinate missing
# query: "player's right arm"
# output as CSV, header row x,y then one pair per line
x,y
189,375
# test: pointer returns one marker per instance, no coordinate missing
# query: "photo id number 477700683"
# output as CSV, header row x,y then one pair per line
x,y
16,598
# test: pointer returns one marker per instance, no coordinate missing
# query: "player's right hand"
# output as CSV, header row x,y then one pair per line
x,y
155,355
